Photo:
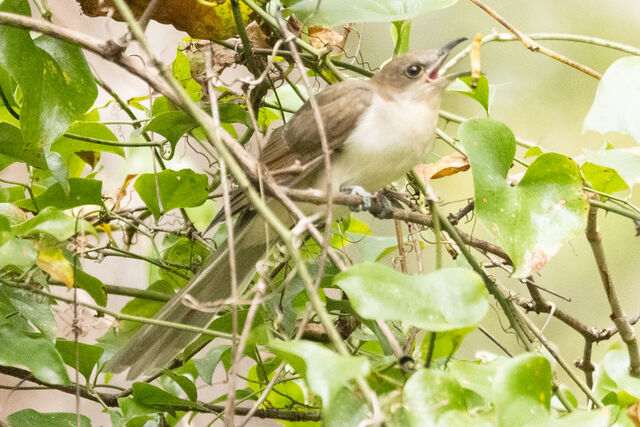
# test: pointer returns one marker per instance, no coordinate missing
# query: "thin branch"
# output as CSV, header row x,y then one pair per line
x,y
111,400
534,46
565,366
618,315
121,316
215,135
506,37
324,143
319,197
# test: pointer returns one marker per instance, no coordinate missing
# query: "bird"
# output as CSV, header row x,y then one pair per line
x,y
377,129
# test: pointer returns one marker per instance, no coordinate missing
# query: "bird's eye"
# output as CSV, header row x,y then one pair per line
x,y
413,71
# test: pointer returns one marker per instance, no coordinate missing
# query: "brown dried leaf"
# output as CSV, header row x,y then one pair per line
x,y
324,38
257,37
123,191
197,19
446,166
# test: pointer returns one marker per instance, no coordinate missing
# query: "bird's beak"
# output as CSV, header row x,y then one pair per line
x,y
443,54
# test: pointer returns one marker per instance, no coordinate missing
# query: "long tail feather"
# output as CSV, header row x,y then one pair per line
x,y
153,347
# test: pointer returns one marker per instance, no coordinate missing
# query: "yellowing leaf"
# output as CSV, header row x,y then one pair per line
x,y
123,191
51,260
200,20
107,229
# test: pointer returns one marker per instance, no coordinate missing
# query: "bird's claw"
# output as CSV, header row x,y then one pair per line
x,y
387,210
360,191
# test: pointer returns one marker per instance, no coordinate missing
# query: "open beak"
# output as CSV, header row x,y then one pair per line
x,y
443,54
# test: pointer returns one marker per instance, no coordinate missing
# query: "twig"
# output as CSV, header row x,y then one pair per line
x,y
324,142
121,316
215,136
402,256
506,37
111,400
534,46
565,366
618,315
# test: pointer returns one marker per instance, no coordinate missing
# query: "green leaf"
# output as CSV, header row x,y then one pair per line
x,y
624,161
178,189
592,418
346,409
11,194
446,299
33,308
13,147
400,33
57,168
13,214
38,354
534,151
88,356
324,371
97,131
207,365
56,82
337,12
483,92
184,383
522,390
132,409
147,394
182,72
50,220
172,125
81,192
445,344
614,379
201,216
185,252
533,219
92,286
19,253
429,394
617,100
475,375
30,418
603,179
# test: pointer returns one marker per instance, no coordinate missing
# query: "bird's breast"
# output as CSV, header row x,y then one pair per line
x,y
391,137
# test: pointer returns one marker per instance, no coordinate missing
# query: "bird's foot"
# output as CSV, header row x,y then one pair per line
x,y
360,191
387,209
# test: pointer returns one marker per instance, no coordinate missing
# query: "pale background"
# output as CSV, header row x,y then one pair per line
x,y
538,98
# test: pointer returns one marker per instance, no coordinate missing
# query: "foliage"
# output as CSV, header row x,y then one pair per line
x,y
357,344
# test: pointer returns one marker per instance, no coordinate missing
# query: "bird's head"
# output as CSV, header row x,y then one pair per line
x,y
418,71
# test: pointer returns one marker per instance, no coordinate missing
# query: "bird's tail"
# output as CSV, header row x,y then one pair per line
x,y
152,347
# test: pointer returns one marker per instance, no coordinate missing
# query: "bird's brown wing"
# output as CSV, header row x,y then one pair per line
x,y
294,151
340,106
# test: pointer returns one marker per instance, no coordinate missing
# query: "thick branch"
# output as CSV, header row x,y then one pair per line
x,y
618,315
319,197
